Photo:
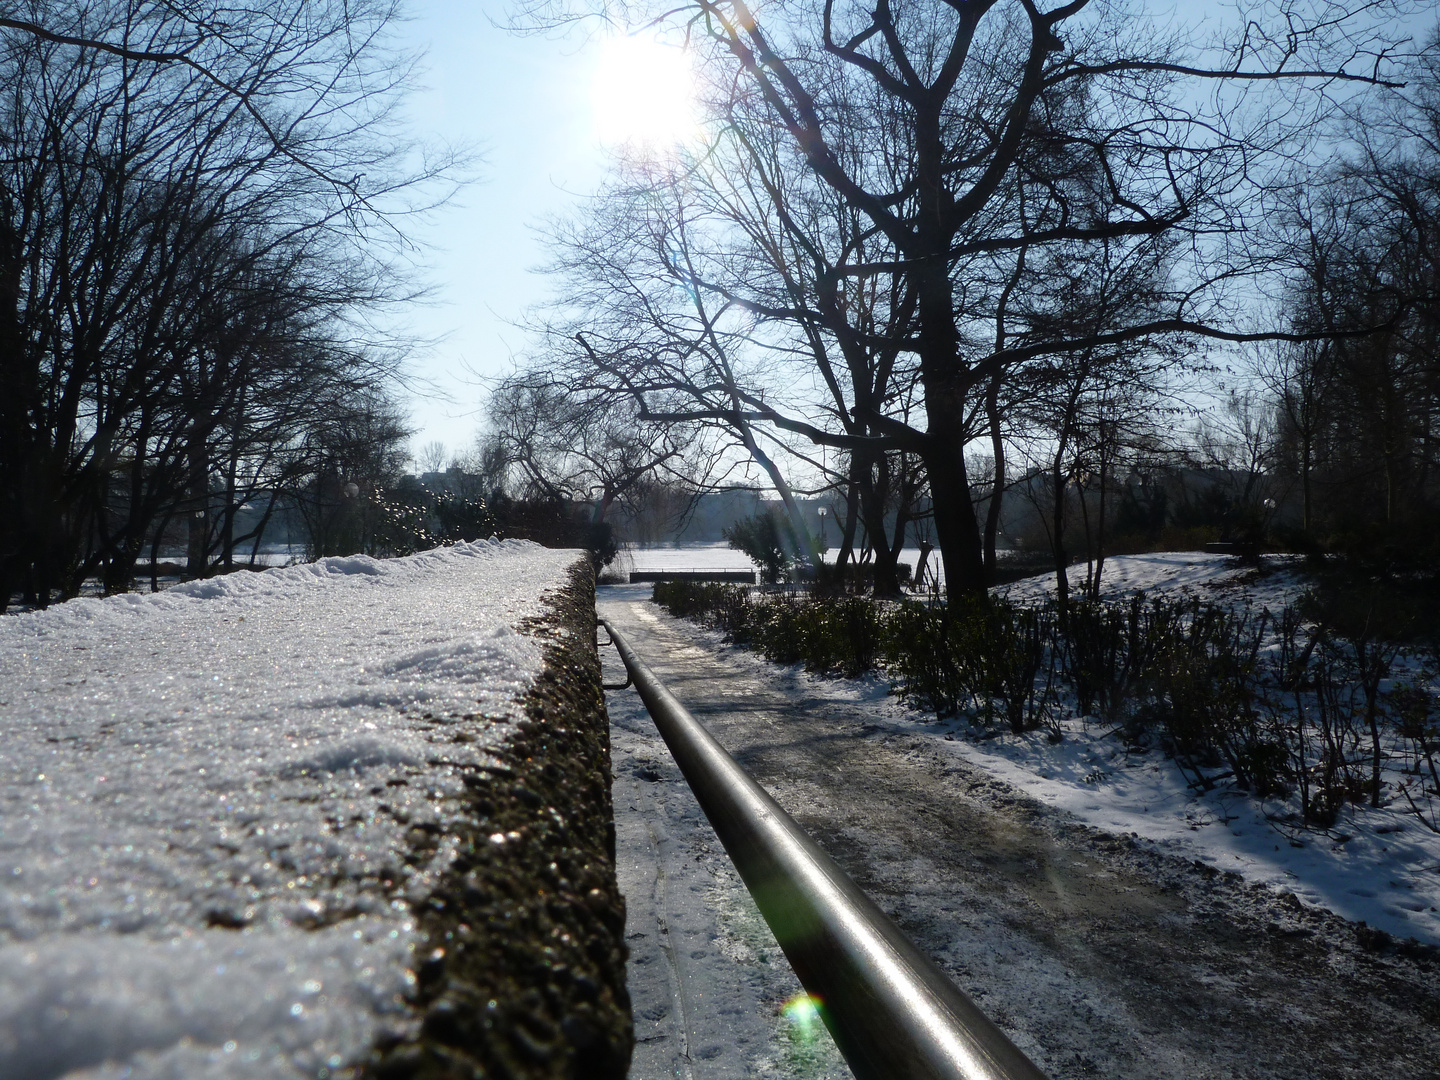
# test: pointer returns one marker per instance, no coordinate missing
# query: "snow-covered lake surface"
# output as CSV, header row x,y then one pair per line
x,y
687,556
717,556
205,796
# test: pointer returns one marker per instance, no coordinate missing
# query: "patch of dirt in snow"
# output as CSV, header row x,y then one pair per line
x,y
1098,955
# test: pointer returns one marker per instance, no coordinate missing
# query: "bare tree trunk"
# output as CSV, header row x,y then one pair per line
x,y
955,526
997,485
886,577
1057,536
1305,512
263,523
1100,525
199,516
846,554
17,390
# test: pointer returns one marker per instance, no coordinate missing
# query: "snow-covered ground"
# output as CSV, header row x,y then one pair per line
x,y
1172,572
205,796
1387,870
1380,866
1100,955
1387,873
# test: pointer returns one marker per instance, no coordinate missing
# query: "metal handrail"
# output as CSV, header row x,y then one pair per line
x,y
892,1012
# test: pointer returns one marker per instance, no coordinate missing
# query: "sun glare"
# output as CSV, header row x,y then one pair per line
x,y
643,94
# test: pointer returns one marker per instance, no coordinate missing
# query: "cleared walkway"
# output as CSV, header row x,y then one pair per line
x,y
1097,958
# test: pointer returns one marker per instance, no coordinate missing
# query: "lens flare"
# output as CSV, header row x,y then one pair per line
x,y
803,1012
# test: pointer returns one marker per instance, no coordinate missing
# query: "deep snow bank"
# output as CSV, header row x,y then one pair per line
x,y
225,808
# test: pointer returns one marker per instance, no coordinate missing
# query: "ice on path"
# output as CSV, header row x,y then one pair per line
x,y
204,803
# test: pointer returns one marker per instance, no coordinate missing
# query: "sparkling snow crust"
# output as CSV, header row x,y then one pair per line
x,y
207,796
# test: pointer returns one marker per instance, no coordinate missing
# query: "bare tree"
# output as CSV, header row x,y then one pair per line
x,y
432,457
1359,408
637,325
703,294
1234,442
187,245
594,447
968,135
347,460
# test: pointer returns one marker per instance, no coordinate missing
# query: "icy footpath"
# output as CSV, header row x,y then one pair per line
x,y
205,796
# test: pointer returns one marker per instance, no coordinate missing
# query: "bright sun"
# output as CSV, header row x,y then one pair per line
x,y
643,94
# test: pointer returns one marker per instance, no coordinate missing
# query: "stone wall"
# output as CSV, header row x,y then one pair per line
x,y
524,971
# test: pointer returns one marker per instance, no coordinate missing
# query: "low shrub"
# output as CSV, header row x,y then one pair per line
x,y
692,599
978,654
839,634
1020,643
929,651
1297,704
783,631
846,635
1200,685
1108,647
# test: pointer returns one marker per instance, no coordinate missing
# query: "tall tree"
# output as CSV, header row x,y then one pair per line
x,y
195,205
969,134
547,439
1360,409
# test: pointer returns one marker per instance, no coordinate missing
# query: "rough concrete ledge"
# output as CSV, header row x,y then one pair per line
x,y
524,973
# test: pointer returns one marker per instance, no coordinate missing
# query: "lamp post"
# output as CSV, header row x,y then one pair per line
x,y
822,513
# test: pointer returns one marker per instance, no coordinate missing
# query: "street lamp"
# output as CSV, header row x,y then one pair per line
x,y
822,513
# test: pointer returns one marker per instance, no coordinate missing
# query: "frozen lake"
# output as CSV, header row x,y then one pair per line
x,y
715,556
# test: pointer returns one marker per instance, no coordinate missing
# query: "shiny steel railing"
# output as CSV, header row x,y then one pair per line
x,y
892,1012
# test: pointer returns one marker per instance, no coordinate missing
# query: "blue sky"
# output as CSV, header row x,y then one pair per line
x,y
524,101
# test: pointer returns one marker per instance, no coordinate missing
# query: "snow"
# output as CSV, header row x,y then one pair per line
x,y
1171,572
681,556
1380,866
707,982
1100,956
1384,874
205,796
1386,869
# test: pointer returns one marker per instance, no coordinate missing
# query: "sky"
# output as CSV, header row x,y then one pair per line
x,y
536,109
523,103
